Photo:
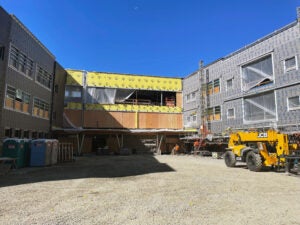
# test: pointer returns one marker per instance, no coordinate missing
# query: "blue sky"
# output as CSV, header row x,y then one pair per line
x,y
151,37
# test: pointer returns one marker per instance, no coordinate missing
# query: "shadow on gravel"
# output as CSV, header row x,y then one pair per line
x,y
87,167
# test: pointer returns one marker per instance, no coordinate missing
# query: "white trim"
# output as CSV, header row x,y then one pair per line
x,y
231,117
288,105
228,89
292,68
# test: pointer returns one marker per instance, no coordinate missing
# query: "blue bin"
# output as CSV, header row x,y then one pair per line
x,y
40,152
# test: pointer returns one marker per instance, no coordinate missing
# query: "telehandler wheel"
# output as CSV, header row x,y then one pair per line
x,y
229,158
254,162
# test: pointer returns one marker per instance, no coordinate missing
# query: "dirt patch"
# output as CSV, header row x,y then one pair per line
x,y
142,189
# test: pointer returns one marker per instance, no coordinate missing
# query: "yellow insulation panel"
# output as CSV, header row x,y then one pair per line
x,y
73,105
74,77
133,81
134,108
125,108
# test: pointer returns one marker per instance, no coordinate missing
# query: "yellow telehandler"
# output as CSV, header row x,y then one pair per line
x,y
262,149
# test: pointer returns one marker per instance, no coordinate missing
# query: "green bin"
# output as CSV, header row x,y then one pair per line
x,y
14,148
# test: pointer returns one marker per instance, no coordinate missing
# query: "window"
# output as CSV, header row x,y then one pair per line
x,y
17,99
73,94
191,97
56,88
216,86
214,113
210,88
188,97
260,108
41,135
194,118
294,103
217,113
257,73
290,64
229,84
43,77
213,87
230,113
18,133
40,108
188,118
20,62
26,134
34,135
2,50
8,132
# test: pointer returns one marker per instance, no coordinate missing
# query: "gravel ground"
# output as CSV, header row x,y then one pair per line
x,y
142,189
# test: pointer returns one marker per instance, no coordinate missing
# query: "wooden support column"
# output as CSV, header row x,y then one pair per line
x,y
80,141
159,144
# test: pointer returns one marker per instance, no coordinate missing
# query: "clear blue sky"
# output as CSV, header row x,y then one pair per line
x,y
151,37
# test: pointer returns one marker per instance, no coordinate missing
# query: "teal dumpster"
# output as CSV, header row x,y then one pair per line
x,y
14,148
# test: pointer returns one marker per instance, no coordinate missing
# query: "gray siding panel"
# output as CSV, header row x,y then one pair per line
x,y
281,46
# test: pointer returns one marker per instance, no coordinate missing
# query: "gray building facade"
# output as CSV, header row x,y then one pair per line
x,y
26,72
257,86
191,101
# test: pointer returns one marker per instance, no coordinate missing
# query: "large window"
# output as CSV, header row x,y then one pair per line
x,y
43,77
40,108
20,62
290,64
17,99
257,73
294,103
260,108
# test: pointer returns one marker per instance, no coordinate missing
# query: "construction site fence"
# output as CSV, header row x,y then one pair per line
x,y
65,152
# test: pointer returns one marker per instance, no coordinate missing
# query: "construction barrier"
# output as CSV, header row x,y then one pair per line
x,y
65,152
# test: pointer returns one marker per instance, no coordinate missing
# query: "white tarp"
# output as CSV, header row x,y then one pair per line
x,y
96,95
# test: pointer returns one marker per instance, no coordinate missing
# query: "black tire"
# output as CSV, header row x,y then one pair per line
x,y
229,158
254,162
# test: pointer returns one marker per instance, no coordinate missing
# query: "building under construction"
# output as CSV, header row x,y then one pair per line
x,y
257,86
121,111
